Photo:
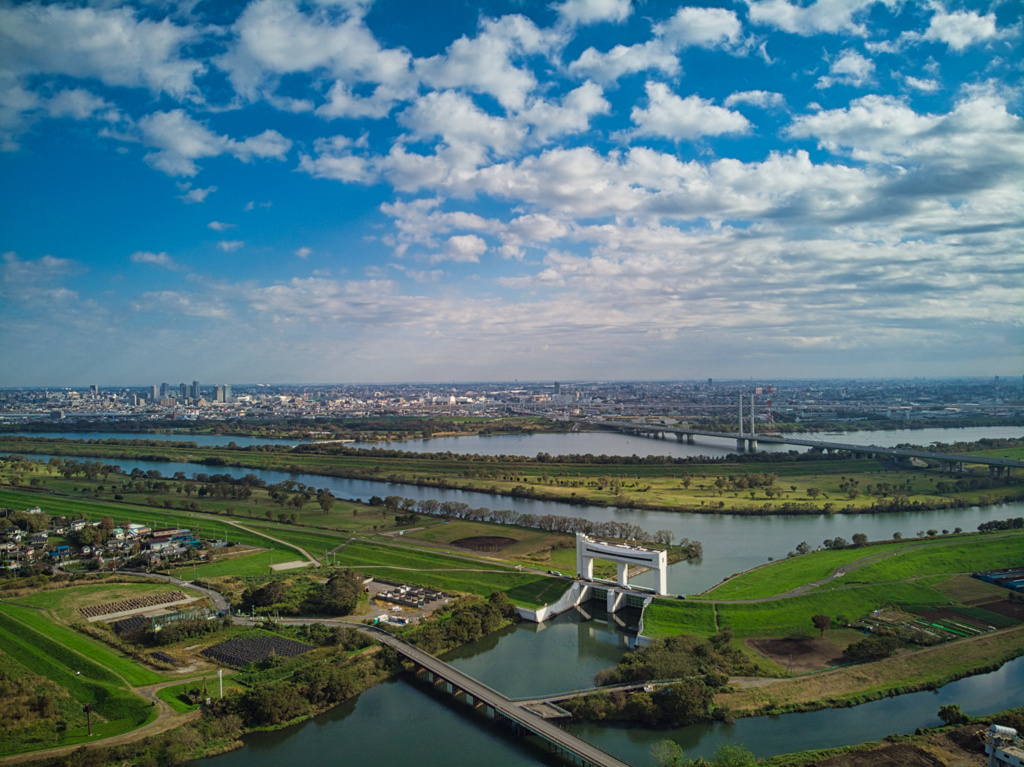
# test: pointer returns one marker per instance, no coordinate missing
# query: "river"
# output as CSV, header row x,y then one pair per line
x,y
732,543
402,722
397,723
593,442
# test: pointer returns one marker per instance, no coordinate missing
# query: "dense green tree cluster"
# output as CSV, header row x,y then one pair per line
x,y
681,656
873,647
1014,523
465,621
314,683
338,596
668,753
185,629
700,666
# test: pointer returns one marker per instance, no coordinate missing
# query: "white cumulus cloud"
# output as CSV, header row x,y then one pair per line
x,y
683,118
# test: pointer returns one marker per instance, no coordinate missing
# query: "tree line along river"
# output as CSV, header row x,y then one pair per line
x,y
395,723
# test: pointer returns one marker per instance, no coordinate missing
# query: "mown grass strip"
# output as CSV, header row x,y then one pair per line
x,y
792,616
84,681
977,553
666,618
95,660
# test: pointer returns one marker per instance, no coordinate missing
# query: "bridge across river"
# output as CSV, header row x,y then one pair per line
x,y
504,709
951,462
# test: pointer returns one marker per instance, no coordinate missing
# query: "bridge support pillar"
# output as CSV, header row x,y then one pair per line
x,y
741,445
679,437
752,445
690,440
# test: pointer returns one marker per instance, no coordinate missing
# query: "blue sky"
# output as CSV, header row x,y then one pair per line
x,y
361,191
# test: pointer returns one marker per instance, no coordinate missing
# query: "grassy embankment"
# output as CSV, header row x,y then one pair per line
x,y
925,668
86,671
908,576
805,486
876,563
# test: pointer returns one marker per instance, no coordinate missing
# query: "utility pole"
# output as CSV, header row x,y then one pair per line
x,y
87,708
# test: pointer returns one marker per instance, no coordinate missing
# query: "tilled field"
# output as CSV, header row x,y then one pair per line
x,y
243,651
136,603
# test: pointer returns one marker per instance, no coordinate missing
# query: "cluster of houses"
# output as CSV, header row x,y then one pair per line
x,y
22,549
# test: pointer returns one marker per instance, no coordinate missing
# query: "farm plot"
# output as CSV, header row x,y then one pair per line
x,y
95,612
930,626
242,651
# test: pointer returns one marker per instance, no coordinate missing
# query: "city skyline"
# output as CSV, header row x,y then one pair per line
x,y
392,191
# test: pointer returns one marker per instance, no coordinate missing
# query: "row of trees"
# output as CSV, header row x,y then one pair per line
x,y
552,523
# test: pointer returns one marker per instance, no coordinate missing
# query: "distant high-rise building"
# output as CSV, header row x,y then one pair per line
x,y
93,390
183,390
155,392
558,388
195,390
165,389
222,392
227,392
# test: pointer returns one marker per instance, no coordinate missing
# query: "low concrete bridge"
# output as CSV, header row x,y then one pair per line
x,y
951,462
502,710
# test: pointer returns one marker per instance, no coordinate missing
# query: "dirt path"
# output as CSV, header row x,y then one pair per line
x,y
306,554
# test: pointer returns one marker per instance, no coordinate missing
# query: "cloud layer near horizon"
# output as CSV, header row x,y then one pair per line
x,y
355,191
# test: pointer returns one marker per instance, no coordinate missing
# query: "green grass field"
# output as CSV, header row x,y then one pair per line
x,y
95,660
897,562
973,554
65,602
446,572
669,617
78,665
784,617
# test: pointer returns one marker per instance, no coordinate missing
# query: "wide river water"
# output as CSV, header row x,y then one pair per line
x,y
731,543
399,722
402,722
593,442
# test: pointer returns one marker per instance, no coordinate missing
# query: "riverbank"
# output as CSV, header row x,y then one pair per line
x,y
946,746
783,484
908,672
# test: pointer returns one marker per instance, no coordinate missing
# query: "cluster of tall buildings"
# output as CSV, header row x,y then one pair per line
x,y
168,394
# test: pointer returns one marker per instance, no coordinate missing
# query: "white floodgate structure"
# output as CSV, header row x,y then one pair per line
x,y
588,549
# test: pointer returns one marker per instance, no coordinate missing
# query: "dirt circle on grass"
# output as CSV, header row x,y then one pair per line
x,y
798,655
484,542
